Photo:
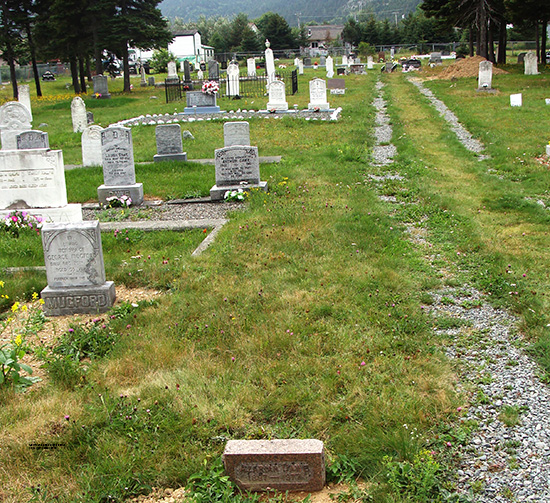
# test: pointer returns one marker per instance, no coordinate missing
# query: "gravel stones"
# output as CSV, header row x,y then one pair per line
x,y
383,152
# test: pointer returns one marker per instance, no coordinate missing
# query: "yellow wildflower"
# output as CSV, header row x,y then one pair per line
x,y
18,340
24,308
34,296
41,302
1,284
15,307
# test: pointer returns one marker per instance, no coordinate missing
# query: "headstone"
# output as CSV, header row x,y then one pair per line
x,y
89,118
186,71
296,61
251,67
322,61
169,143
329,63
282,465
307,62
172,71
548,150
358,68
318,95
336,86
151,81
521,57
435,58
34,180
547,101
143,82
119,174
200,103
301,68
345,60
370,63
213,70
340,71
14,119
531,67
101,87
91,146
202,66
485,75
515,100
277,96
269,63
200,75
236,133
78,114
237,167
233,85
392,52
32,139
75,270
25,97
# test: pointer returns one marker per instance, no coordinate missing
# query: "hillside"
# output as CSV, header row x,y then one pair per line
x,y
320,11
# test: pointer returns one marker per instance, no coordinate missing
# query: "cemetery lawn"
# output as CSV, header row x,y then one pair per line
x,y
305,317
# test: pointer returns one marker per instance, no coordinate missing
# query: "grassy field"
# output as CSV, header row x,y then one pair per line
x,y
304,319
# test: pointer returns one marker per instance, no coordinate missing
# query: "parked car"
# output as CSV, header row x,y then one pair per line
x,y
47,75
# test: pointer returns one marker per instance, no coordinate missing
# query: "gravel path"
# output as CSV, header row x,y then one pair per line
x,y
463,135
382,154
507,457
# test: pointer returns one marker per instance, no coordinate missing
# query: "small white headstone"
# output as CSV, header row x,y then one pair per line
x,y
78,114
345,60
301,67
547,101
233,85
515,100
25,97
251,67
485,75
200,74
318,95
277,96
330,67
530,62
91,146
172,71
370,63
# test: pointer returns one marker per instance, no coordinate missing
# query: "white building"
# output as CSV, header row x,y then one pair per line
x,y
187,45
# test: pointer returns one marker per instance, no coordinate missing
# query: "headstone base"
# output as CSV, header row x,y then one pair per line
x,y
278,107
282,465
337,91
217,193
134,192
103,96
69,214
143,84
201,110
82,300
170,157
320,106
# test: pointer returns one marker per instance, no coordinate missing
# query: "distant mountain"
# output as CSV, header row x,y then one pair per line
x,y
306,11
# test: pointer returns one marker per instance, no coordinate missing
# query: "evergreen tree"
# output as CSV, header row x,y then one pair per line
x,y
275,28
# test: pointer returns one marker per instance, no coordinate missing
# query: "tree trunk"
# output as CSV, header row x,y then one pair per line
x,y
543,42
126,67
491,44
82,74
13,75
471,41
74,74
88,68
502,41
33,58
537,37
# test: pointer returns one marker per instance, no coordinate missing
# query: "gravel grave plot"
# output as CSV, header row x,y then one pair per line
x,y
159,211
463,135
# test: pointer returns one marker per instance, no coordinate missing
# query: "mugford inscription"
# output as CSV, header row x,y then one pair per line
x,y
271,473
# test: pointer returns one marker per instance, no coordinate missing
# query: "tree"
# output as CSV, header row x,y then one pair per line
x,y
11,39
250,42
275,28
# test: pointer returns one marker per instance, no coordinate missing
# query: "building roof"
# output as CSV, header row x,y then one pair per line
x,y
185,33
325,32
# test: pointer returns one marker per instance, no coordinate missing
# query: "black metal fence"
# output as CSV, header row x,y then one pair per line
x,y
249,87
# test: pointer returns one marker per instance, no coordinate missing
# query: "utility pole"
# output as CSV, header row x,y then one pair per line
x,y
395,14
298,14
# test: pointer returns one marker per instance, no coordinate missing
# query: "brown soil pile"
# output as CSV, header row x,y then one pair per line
x,y
467,67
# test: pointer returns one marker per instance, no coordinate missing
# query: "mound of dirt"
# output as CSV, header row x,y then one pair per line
x,y
467,67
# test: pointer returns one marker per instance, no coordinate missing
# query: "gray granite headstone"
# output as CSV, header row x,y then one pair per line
x,y
282,465
322,61
118,166
32,139
236,167
336,86
530,62
236,133
151,81
75,270
213,70
186,71
169,143
199,102
435,58
307,62
89,118
101,86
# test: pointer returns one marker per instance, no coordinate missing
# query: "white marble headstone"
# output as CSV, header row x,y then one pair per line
x,y
515,100
329,63
91,146
318,95
14,119
530,62
370,63
277,96
25,97
269,65
251,67
301,67
233,85
485,75
78,114
172,71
